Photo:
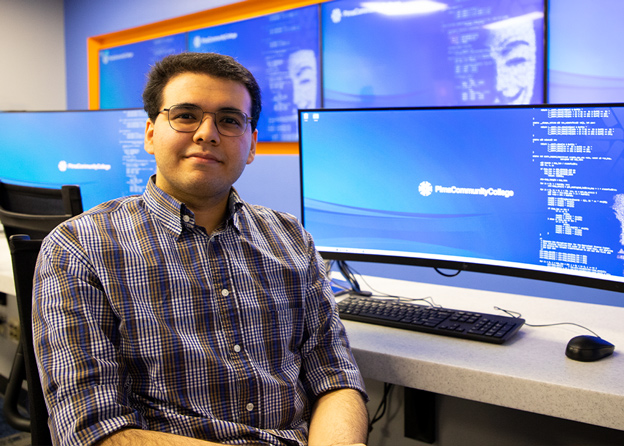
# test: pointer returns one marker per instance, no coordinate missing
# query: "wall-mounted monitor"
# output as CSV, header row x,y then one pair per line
x,y
432,53
99,150
123,69
526,191
282,51
584,45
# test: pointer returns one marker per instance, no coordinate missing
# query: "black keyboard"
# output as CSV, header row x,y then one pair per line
x,y
483,327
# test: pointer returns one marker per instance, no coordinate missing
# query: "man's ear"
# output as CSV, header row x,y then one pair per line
x,y
149,137
252,149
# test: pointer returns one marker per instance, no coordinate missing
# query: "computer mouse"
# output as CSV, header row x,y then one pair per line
x,y
588,348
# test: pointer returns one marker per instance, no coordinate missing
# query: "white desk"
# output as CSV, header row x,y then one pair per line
x,y
530,372
7,285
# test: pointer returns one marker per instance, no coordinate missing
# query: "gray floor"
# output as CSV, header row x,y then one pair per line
x,y
10,436
20,439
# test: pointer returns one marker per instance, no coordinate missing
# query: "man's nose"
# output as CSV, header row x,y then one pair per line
x,y
207,130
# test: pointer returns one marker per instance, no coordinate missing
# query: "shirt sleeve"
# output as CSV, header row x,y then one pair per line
x,y
328,363
76,343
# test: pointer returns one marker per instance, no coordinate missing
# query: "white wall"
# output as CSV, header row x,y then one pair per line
x,y
32,77
32,55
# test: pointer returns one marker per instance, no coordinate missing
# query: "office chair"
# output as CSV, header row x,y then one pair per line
x,y
36,210
31,211
24,254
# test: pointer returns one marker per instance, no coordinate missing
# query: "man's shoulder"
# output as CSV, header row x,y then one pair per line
x,y
256,211
116,208
274,226
109,212
115,204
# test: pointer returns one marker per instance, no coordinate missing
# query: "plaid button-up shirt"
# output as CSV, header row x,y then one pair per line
x,y
142,319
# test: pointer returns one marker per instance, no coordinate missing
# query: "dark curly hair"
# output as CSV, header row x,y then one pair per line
x,y
212,64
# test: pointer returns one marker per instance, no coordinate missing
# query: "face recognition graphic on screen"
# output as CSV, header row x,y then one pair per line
x,y
537,188
123,69
425,52
100,151
282,51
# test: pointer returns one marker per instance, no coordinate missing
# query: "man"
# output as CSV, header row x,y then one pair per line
x,y
186,315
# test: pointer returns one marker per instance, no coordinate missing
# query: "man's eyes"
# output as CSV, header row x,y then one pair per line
x,y
230,119
186,116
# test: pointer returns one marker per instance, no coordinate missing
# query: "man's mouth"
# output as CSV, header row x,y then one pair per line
x,y
207,157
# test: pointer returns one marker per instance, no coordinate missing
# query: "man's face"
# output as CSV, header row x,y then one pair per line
x,y
193,167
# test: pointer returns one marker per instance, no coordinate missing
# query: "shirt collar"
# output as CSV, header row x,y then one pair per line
x,y
235,205
174,215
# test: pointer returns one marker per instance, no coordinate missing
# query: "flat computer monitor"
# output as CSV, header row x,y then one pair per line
x,y
282,50
99,150
432,53
525,191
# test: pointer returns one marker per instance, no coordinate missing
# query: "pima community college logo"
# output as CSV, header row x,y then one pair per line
x,y
64,166
336,15
425,188
108,57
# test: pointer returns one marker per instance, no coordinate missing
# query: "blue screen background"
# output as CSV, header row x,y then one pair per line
x,y
371,59
100,151
583,51
123,69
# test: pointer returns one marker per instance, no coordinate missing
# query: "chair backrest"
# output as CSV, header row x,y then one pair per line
x,y
32,212
24,254
35,211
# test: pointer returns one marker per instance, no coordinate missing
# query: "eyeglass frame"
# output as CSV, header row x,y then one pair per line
x,y
247,119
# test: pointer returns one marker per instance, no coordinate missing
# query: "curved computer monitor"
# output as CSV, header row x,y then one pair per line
x,y
526,191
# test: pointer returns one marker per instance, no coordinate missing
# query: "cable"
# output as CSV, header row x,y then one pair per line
x,y
349,274
383,405
350,277
428,300
515,314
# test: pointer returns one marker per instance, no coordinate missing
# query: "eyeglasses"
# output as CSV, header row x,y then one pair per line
x,y
187,118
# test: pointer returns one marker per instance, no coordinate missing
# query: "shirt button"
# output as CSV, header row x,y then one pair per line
x,y
237,348
225,293
186,218
249,407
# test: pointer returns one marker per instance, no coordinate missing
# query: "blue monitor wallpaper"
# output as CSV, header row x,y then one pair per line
x,y
453,52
